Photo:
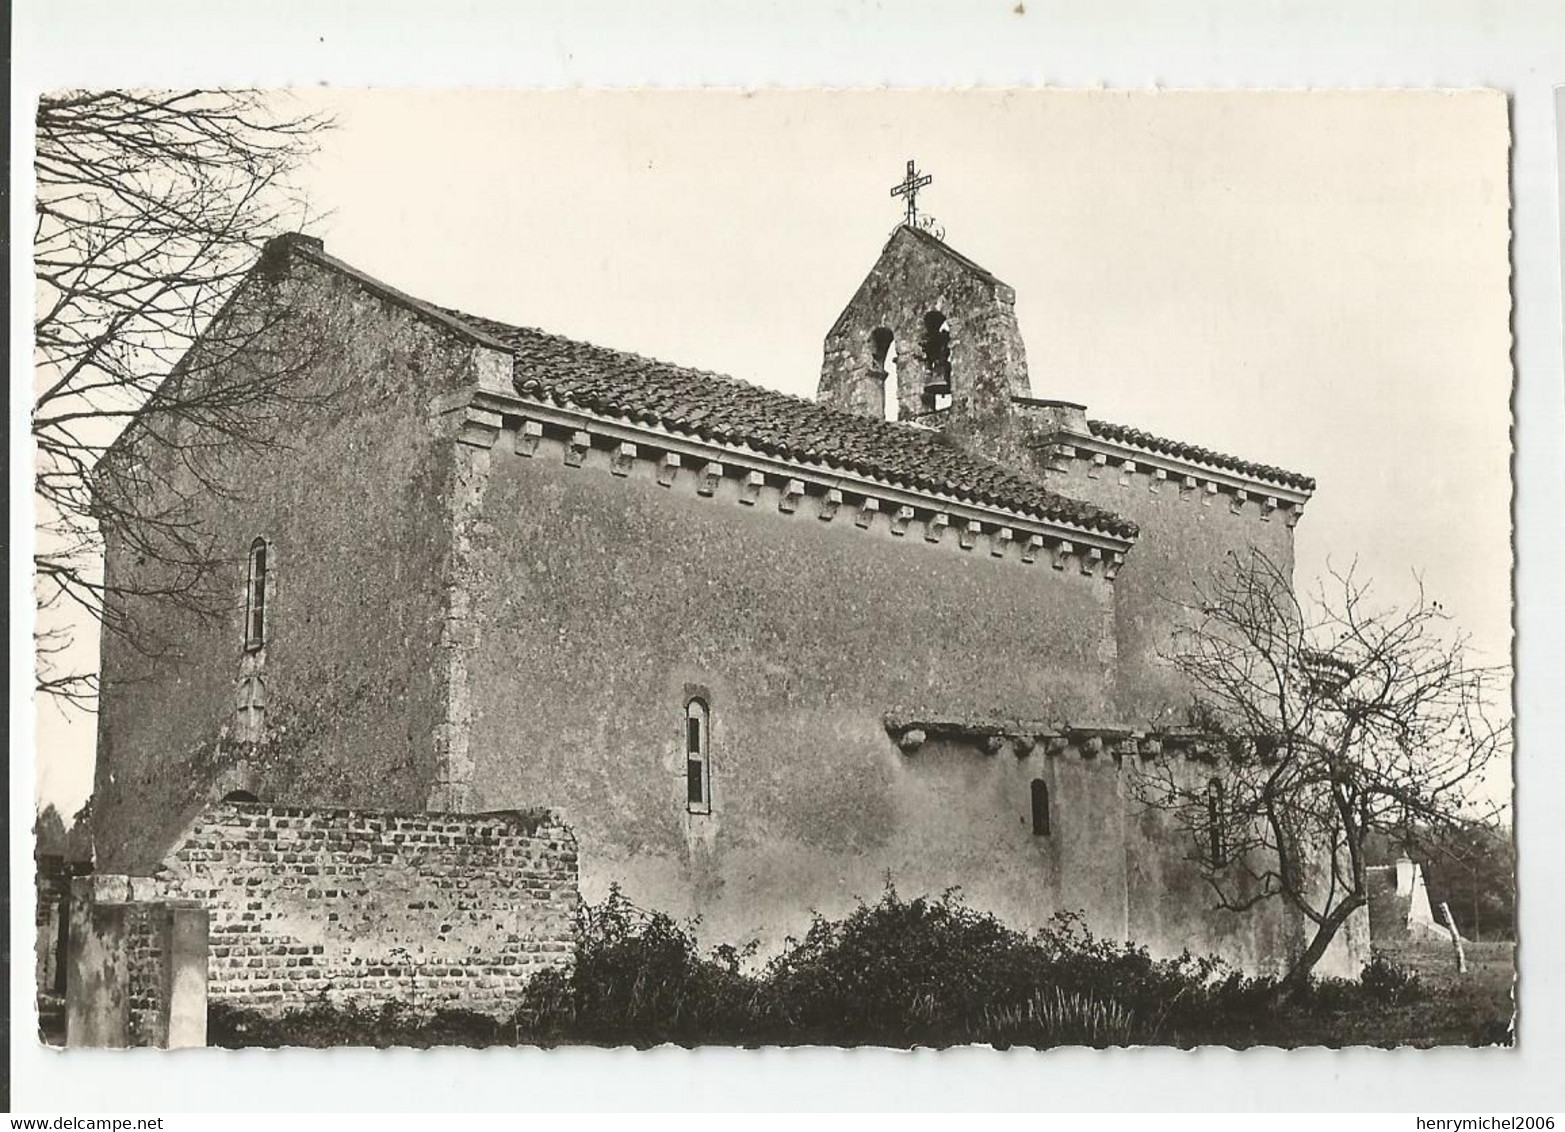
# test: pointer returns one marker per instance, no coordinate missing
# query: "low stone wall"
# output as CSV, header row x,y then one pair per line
x,y
348,905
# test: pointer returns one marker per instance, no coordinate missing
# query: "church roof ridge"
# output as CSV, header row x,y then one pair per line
x,y
1178,449
718,407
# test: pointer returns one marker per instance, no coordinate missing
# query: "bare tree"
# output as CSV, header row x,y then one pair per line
x,y
151,207
1330,723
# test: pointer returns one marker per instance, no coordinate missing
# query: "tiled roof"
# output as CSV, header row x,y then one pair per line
x,y
1182,451
717,408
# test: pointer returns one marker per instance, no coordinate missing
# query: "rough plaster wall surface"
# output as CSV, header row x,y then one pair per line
x,y
97,1002
1186,537
427,909
605,597
1348,953
913,277
967,820
1173,904
355,504
1129,871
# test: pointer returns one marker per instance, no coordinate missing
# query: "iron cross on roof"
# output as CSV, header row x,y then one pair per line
x,y
909,188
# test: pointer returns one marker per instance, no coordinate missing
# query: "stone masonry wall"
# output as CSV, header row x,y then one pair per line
x,y
354,500
428,909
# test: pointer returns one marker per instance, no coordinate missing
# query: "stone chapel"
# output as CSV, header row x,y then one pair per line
x,y
763,652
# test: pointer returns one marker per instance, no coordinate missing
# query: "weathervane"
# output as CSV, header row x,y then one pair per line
x,y
909,189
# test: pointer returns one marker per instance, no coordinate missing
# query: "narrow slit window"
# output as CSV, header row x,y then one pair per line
x,y
255,595
1217,842
698,762
1040,808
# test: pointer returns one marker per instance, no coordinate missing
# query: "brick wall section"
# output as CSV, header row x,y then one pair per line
x,y
144,968
430,909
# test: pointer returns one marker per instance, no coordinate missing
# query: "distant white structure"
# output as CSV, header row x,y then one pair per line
x,y
1399,904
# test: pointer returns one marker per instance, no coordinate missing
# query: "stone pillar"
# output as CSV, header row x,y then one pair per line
x,y
185,931
97,978
852,384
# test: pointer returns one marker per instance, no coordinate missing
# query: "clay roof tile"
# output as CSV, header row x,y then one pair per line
x,y
702,403
1180,450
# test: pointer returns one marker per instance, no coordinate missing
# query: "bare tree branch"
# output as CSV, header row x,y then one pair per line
x,y
151,209
1337,721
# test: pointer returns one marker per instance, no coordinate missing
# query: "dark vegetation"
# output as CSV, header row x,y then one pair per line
x,y
323,1025
53,838
928,972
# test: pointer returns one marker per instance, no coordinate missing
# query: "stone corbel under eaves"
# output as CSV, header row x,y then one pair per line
x,y
582,439
1041,738
1156,472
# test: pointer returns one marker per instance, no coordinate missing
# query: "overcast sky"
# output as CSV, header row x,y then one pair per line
x,y
1313,280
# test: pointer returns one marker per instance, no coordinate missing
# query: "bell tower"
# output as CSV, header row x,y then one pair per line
x,y
929,338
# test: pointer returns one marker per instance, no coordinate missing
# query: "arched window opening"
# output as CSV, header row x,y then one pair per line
x,y
880,348
883,359
698,760
1216,822
255,595
936,347
1040,808
240,796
